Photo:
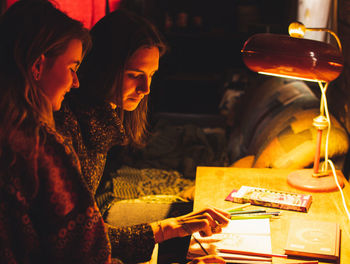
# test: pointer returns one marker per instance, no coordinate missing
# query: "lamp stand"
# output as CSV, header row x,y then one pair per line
x,y
304,180
314,180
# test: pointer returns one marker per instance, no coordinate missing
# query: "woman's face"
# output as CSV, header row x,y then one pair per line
x,y
138,76
58,75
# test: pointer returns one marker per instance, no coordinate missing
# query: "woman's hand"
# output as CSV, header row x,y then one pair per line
x,y
208,259
207,221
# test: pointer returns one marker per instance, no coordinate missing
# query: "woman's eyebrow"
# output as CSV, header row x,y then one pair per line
x,y
135,70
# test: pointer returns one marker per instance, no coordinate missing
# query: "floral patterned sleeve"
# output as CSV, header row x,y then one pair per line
x,y
134,243
61,223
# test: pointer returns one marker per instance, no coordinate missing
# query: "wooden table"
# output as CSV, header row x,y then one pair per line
x,y
213,184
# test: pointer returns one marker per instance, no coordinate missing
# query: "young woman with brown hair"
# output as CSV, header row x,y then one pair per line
x,y
111,109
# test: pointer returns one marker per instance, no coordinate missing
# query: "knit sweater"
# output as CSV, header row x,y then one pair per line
x,y
93,131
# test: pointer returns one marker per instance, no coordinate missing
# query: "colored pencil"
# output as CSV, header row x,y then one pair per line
x,y
257,213
239,217
238,207
251,253
248,212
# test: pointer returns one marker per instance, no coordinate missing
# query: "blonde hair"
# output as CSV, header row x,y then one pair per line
x,y
29,29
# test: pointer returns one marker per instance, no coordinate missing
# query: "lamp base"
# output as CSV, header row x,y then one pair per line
x,y
303,180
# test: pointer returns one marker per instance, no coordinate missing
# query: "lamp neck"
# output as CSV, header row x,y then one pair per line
x,y
330,32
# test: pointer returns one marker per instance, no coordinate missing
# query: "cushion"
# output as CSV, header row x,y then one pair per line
x,y
294,146
276,127
146,209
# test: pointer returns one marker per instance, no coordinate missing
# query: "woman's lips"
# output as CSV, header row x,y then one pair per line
x,y
135,99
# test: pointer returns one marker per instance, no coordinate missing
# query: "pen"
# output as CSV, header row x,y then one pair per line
x,y
248,212
239,217
238,207
188,230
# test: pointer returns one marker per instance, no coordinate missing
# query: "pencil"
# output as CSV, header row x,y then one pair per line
x,y
255,213
238,207
297,261
188,230
239,217
248,212
199,243
251,253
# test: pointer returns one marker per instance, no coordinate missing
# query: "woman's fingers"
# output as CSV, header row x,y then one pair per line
x,y
206,221
208,259
204,227
201,225
218,215
224,213
216,229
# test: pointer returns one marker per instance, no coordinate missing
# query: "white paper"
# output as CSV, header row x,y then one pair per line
x,y
243,235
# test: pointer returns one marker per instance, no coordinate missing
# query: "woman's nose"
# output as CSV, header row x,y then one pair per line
x,y
76,83
145,86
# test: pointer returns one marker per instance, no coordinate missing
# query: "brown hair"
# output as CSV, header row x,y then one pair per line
x,y
115,38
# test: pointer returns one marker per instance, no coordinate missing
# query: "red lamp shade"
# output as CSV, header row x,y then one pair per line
x,y
292,57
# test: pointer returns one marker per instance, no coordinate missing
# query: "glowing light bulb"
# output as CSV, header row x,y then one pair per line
x,y
296,30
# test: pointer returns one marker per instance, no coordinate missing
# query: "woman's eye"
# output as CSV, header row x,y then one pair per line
x,y
134,76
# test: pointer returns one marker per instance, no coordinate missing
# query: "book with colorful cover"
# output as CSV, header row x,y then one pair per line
x,y
271,198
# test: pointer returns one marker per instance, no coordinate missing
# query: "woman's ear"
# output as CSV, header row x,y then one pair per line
x,y
37,67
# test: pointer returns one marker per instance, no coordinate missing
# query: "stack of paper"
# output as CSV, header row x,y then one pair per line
x,y
242,241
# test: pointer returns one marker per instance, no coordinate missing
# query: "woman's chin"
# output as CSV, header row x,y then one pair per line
x,y
56,107
130,107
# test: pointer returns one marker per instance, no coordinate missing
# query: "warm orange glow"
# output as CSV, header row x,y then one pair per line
x,y
287,76
296,30
293,57
335,64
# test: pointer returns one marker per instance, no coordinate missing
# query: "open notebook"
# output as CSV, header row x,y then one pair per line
x,y
248,235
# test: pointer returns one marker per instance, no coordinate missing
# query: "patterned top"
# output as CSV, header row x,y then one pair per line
x,y
61,223
93,131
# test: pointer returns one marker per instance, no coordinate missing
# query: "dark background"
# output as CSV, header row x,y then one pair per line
x,y
201,59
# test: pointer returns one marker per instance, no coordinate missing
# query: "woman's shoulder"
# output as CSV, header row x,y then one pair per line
x,y
54,144
41,157
97,122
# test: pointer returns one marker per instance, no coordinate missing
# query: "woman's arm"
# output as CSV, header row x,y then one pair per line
x,y
207,221
135,243
132,244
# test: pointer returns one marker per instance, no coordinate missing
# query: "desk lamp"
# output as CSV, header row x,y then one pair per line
x,y
308,60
